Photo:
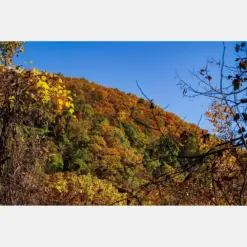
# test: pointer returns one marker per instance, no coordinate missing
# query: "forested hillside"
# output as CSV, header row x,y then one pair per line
x,y
68,141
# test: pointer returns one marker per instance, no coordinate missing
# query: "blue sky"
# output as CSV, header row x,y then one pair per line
x,y
120,64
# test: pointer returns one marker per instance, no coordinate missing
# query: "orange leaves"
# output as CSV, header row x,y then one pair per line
x,y
236,83
111,151
220,116
243,65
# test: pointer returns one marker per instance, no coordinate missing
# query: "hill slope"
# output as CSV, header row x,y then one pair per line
x,y
115,138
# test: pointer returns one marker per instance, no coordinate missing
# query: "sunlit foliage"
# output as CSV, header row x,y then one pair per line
x,y
68,141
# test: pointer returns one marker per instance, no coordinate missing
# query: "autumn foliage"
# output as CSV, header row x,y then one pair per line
x,y
68,141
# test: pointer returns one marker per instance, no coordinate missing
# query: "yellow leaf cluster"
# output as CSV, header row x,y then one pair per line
x,y
48,89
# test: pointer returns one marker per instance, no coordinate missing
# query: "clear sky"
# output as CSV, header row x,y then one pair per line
x,y
120,64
